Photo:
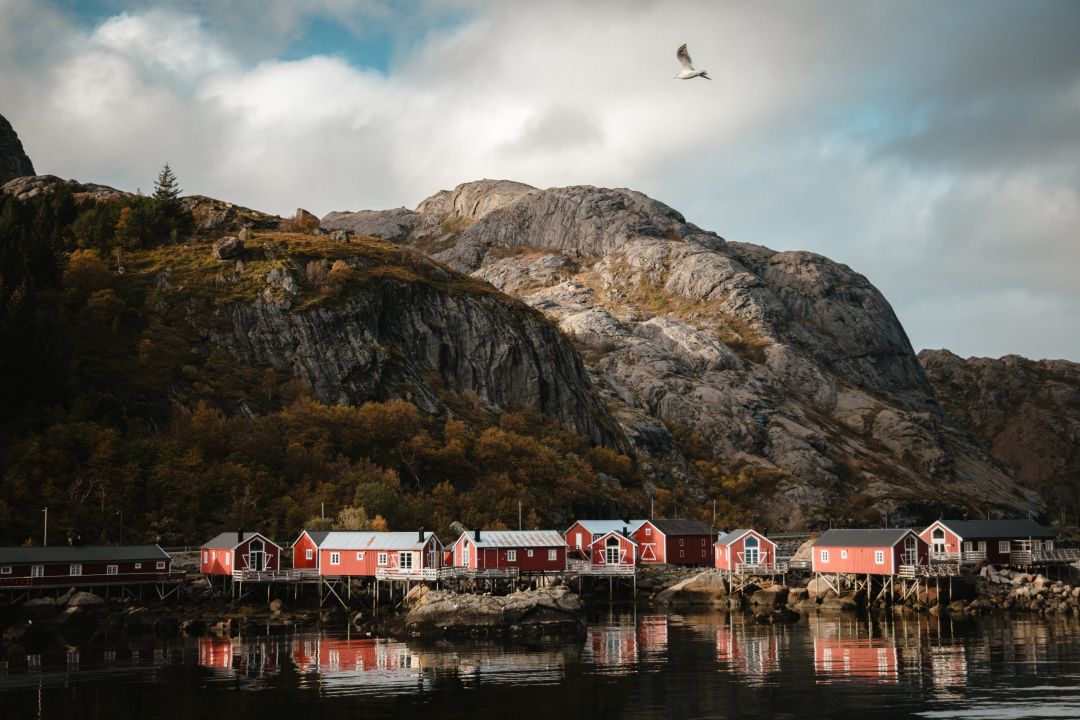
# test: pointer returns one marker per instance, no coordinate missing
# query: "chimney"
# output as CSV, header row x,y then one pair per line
x,y
420,537
476,535
625,532
240,535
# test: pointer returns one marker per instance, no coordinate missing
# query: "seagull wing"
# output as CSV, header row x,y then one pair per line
x,y
684,57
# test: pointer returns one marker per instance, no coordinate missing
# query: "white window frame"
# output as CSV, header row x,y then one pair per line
x,y
206,556
161,564
6,570
648,532
968,546
1048,545
75,569
405,560
213,554
553,554
511,556
383,558
360,555
138,566
228,558
879,557
702,542
335,558
824,556
680,542
1004,546
37,571
112,569
843,554
529,552
682,553
309,554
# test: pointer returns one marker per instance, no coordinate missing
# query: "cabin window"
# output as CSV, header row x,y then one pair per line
x,y
843,554
982,546
648,531
680,542
1003,546
138,566
37,571
6,570
703,542
75,570
359,556
967,546
465,554
228,558
553,554
511,555
160,564
335,558
405,560
938,534
213,554
824,556
1048,545
682,553
205,556
382,558
309,554
529,553
879,557
112,569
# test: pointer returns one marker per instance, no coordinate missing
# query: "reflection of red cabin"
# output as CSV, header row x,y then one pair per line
x,y
676,542
613,548
327,655
240,551
868,552
612,645
527,550
750,655
991,541
855,659
360,553
744,546
305,551
581,534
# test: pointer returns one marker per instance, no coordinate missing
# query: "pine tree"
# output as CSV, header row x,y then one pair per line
x,y
165,187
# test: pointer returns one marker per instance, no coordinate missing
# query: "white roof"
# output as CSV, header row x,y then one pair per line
x,y
517,538
373,540
599,527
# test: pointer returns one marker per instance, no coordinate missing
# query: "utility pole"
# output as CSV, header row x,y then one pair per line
x,y
45,537
121,514
519,516
652,508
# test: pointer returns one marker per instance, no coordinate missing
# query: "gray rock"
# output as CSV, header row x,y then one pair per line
x,y
227,248
303,220
13,159
394,225
547,611
280,277
85,599
706,588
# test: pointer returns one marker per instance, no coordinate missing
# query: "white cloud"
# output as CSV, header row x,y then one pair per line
x,y
828,127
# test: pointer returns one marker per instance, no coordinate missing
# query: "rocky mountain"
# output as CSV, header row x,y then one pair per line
x,y
1026,411
13,160
723,355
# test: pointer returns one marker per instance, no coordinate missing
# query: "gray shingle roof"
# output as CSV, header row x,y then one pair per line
x,y
682,527
885,537
599,527
373,540
231,539
317,536
989,529
518,538
86,553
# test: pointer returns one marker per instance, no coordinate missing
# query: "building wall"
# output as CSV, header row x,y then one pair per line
x,y
92,573
212,561
364,563
861,560
490,558
689,549
652,548
586,538
299,552
736,552
598,550
952,540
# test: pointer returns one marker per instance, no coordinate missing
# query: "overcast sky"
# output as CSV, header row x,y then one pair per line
x,y
932,146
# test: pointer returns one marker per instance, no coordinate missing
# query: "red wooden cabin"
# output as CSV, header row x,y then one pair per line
x,y
84,566
869,552
676,542
526,550
580,535
743,547
305,551
363,553
233,551
991,541
612,548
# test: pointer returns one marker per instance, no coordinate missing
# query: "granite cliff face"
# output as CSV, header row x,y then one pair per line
x,y
779,360
1026,411
13,160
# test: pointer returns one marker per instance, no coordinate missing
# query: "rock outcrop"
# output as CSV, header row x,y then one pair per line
x,y
1027,412
31,186
14,162
784,362
535,613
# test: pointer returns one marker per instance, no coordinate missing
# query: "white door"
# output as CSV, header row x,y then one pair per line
x,y
255,555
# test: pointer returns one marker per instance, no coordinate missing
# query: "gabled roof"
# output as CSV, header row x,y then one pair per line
x,y
681,526
373,540
317,536
86,553
230,540
886,537
517,538
734,535
990,529
614,532
598,527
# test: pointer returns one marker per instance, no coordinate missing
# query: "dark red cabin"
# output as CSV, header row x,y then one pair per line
x,y
676,542
990,541
526,550
68,566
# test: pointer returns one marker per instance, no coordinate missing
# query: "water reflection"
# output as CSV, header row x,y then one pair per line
x,y
627,643
749,651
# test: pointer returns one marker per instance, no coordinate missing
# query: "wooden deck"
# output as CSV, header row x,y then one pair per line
x,y
299,576
1064,556
933,570
968,557
584,567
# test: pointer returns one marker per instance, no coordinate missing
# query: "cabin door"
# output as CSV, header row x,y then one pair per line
x,y
611,551
911,552
256,555
752,551
937,544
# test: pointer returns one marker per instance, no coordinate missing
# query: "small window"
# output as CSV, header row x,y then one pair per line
x,y
648,531
682,553
335,558
138,566
1003,546
843,554
879,557
37,571
511,555
228,558
553,554
1048,545
6,570
309,554
967,546
75,570
206,556
359,556
529,553
382,558
213,554
112,569
680,542
703,542
982,546
824,556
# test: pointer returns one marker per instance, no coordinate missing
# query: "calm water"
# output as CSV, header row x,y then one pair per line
x,y
643,666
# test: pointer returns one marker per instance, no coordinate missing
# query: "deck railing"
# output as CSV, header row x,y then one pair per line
x,y
774,568
966,557
1044,557
289,575
427,573
585,567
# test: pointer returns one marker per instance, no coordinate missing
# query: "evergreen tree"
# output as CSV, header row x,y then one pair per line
x,y
166,187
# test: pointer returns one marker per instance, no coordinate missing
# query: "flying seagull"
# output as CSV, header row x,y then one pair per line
x,y
688,70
